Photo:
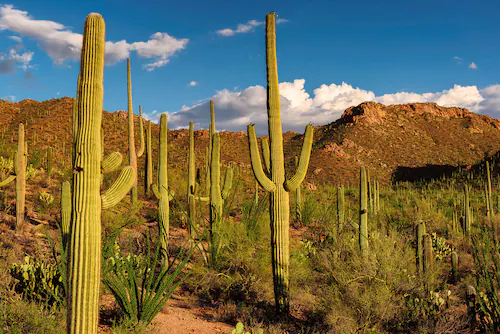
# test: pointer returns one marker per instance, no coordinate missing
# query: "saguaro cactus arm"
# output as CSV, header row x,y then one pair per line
x,y
228,182
7,180
261,177
266,153
301,171
119,188
141,131
111,162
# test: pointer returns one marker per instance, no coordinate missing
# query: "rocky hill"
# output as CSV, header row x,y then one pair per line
x,y
387,139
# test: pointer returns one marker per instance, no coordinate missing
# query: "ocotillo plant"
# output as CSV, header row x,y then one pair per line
x,y
298,198
275,183
84,251
420,231
160,189
131,140
217,196
363,212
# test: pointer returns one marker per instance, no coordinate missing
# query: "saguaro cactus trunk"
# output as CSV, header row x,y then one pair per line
x,y
133,155
20,167
84,251
275,183
85,245
363,212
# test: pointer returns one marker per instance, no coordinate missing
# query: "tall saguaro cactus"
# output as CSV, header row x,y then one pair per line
x,y
298,198
217,195
363,212
149,162
160,190
84,251
20,177
468,214
209,149
340,208
275,182
131,139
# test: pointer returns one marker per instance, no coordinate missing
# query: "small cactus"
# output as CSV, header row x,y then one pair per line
x,y
363,212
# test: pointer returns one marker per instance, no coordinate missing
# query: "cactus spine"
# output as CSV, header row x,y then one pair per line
x,y
131,140
161,189
84,251
363,212
276,185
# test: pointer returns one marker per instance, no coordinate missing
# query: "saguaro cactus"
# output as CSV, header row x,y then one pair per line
x,y
217,196
49,161
363,212
275,183
131,140
149,162
160,190
209,149
84,251
454,267
65,211
420,231
467,223
298,198
428,254
340,208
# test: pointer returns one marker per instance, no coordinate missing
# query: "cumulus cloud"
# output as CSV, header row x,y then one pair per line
x,y
12,60
236,109
62,44
244,28
473,66
192,84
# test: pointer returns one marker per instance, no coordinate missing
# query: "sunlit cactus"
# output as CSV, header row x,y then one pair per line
x,y
84,249
274,182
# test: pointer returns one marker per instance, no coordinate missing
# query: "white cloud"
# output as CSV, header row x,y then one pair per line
x,y
244,28
16,39
473,66
192,84
235,110
62,44
457,58
11,60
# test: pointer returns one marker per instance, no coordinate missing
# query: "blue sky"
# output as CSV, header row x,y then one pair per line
x,y
330,55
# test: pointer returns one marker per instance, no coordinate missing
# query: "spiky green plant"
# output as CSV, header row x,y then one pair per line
x,y
65,211
131,139
84,251
468,214
363,212
340,208
20,169
275,183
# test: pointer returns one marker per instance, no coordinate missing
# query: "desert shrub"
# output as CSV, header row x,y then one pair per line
x,y
486,254
39,281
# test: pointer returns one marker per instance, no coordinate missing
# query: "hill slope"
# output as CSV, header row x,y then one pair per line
x,y
384,138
